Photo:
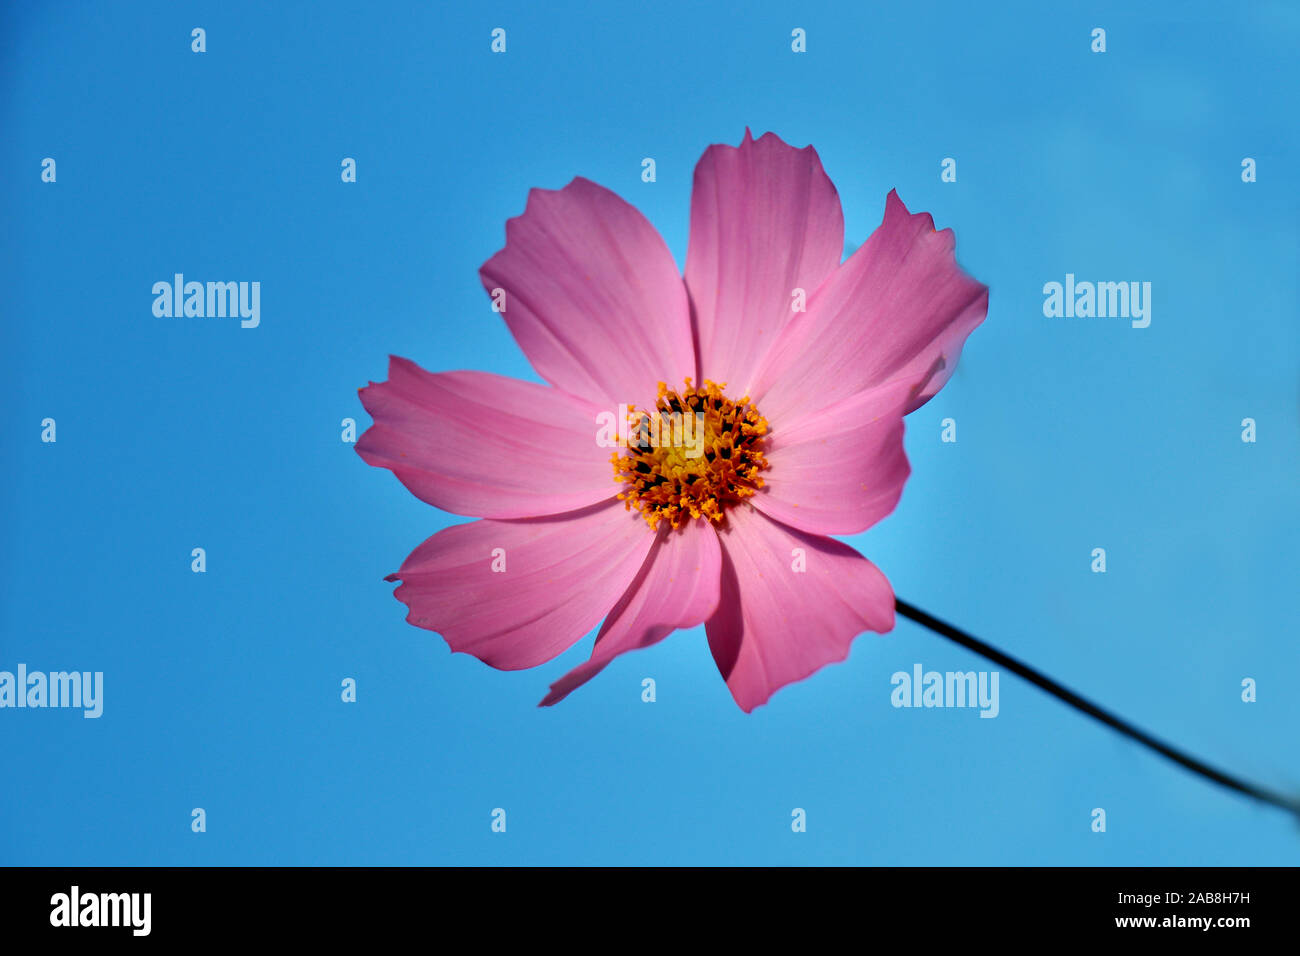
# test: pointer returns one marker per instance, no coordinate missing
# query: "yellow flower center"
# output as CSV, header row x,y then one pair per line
x,y
696,454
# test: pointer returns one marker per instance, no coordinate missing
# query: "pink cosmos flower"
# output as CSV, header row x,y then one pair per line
x,y
801,415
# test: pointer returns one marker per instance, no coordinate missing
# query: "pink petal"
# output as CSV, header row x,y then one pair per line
x,y
900,307
562,575
841,470
775,625
676,588
480,444
593,296
765,220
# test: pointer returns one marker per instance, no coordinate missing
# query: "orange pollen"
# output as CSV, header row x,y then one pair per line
x,y
695,455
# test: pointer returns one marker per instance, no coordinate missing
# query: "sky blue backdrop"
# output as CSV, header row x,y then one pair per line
x,y
222,689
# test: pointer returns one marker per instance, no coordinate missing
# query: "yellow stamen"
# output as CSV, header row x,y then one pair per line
x,y
711,463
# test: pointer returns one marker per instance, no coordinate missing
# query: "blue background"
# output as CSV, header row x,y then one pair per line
x,y
223,689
